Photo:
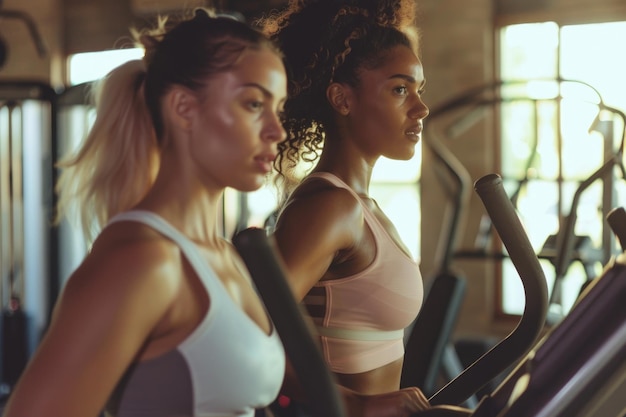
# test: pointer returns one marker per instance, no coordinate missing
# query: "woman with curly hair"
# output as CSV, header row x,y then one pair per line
x,y
354,95
159,318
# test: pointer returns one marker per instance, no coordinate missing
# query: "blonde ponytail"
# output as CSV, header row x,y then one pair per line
x,y
115,166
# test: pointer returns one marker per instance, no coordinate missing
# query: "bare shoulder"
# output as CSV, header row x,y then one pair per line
x,y
320,214
129,260
106,314
319,223
320,199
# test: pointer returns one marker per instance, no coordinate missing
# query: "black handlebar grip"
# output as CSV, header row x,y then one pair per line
x,y
522,338
617,221
301,348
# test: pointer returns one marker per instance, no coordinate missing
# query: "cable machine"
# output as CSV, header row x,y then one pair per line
x,y
27,240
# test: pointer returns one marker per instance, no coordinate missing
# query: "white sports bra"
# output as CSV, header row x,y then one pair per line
x,y
227,367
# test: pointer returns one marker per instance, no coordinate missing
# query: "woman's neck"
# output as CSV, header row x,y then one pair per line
x,y
348,165
187,205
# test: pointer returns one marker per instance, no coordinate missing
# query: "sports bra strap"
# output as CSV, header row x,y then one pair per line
x,y
188,248
362,335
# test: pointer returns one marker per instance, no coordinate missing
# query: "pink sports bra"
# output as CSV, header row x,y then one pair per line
x,y
361,318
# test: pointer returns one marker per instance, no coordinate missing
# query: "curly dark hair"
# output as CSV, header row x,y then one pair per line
x,y
325,41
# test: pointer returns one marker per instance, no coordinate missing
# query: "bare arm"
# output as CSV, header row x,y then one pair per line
x,y
104,317
311,231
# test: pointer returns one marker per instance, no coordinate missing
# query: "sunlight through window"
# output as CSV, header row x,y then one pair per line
x,y
90,66
573,137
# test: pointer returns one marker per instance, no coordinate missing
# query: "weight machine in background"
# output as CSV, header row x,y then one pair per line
x,y
567,109
432,354
27,239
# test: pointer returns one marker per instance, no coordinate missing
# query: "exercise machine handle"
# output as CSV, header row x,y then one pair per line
x,y
268,274
617,221
509,350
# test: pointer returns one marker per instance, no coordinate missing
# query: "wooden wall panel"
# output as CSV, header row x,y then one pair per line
x,y
561,11
95,25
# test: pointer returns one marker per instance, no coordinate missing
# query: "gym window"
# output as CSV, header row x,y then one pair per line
x,y
573,140
90,66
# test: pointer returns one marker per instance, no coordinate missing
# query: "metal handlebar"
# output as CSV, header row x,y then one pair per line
x,y
522,338
617,221
268,275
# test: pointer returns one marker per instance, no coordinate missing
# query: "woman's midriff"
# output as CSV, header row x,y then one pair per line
x,y
376,381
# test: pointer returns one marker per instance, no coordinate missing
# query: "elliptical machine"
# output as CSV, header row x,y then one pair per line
x,y
571,371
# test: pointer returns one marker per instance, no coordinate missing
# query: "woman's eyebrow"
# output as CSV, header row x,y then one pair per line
x,y
258,86
408,78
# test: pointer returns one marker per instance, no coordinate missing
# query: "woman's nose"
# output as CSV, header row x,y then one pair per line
x,y
419,111
274,130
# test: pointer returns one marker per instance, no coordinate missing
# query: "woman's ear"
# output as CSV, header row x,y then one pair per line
x,y
338,97
180,107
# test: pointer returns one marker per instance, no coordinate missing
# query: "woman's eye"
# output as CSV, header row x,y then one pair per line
x,y
402,90
255,105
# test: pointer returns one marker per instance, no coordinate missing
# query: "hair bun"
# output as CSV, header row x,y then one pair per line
x,y
202,14
150,44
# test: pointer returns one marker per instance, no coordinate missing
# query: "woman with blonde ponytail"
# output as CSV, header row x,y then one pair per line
x,y
159,317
